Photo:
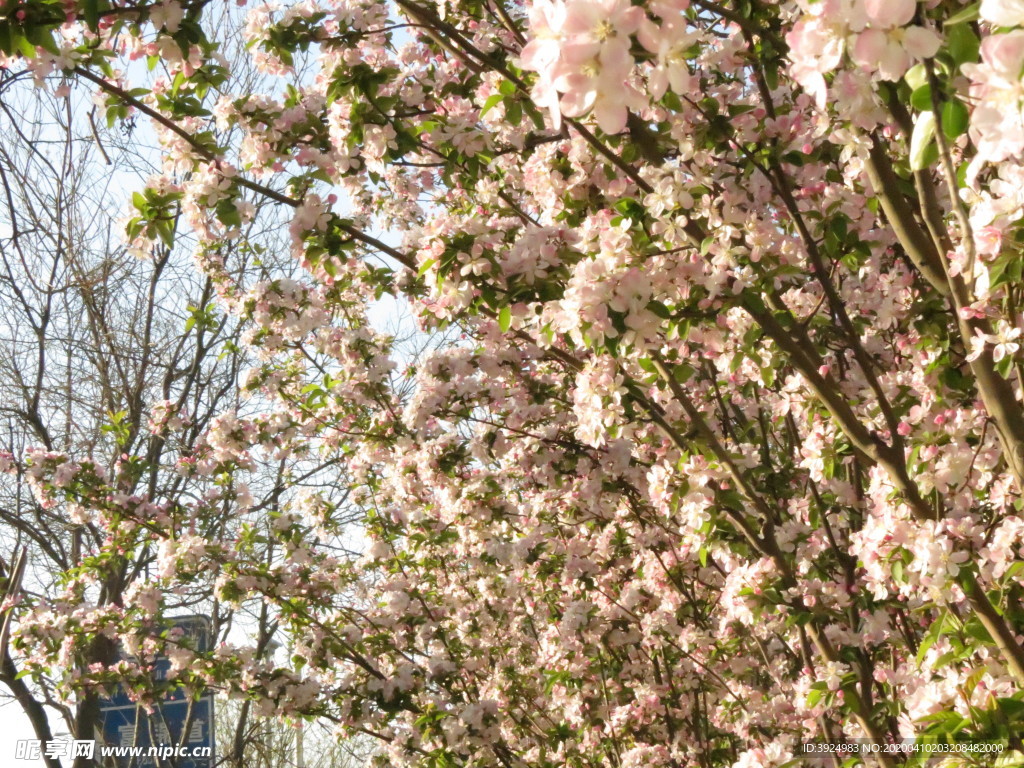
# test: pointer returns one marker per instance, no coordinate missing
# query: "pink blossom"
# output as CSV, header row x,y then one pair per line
x,y
1005,341
988,241
1003,13
816,48
598,29
167,15
581,50
891,52
887,14
996,84
668,40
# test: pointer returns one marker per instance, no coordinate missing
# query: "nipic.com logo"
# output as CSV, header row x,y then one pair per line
x,y
34,749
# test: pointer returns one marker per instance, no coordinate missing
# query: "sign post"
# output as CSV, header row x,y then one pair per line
x,y
159,740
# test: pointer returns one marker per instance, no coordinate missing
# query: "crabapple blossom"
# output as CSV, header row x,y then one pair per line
x,y
892,51
717,443
998,87
1002,13
582,51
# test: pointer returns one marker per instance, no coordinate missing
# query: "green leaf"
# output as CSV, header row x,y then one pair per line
x,y
505,319
963,43
535,115
228,213
795,158
514,113
491,103
921,98
682,373
133,228
1014,759
740,109
922,141
916,76
954,119
1005,269
1012,709
945,659
91,12
932,636
630,208
166,231
41,36
1005,366
659,309
6,38
25,46
1012,571
970,13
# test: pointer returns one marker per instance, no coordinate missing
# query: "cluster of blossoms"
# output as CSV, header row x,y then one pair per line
x,y
880,36
166,417
996,124
718,444
581,50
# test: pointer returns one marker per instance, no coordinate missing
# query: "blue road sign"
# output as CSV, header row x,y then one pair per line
x,y
128,726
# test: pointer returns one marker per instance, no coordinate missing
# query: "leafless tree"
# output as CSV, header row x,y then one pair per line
x,y
269,743
90,339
